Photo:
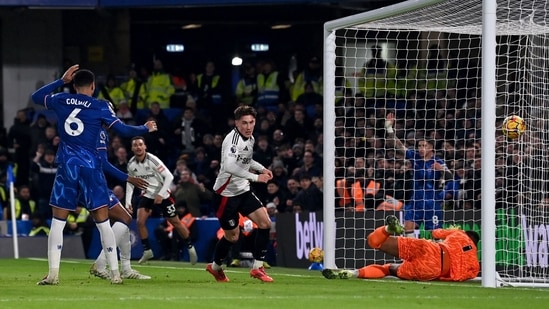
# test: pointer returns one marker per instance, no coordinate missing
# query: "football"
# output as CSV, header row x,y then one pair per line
x,y
513,126
316,255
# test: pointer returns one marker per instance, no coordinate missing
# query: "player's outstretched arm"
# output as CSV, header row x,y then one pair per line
x,y
389,121
129,131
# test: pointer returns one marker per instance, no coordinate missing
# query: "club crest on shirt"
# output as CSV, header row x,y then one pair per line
x,y
233,148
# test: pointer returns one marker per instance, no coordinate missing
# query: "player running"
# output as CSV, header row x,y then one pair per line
x,y
234,196
157,194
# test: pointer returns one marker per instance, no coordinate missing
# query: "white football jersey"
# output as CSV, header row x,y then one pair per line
x,y
153,170
236,163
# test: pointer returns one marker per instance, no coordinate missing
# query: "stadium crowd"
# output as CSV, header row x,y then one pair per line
x,y
436,100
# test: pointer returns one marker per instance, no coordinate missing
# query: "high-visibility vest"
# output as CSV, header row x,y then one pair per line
x,y
372,188
187,220
356,195
37,230
300,82
114,95
129,91
32,205
373,84
267,89
390,203
216,97
160,89
246,90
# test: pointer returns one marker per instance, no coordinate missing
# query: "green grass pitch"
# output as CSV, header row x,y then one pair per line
x,y
181,285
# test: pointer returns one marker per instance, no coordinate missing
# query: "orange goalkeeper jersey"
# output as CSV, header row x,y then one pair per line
x,y
463,254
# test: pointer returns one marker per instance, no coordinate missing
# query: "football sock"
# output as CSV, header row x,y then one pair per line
x,y
122,236
378,237
109,244
101,261
373,271
55,245
188,242
222,249
260,247
145,243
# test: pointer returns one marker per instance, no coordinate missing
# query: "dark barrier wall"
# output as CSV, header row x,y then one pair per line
x,y
206,230
37,247
298,233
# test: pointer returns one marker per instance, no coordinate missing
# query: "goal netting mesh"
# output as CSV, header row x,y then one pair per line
x,y
422,61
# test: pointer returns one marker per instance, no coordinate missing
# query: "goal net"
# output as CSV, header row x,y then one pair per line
x,y
422,61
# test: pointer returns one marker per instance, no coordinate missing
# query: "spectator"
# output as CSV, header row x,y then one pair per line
x,y
309,198
309,167
170,242
39,226
246,88
124,113
120,161
270,87
311,100
44,169
372,83
299,126
276,196
38,131
24,205
189,131
134,91
311,77
159,87
111,92
200,164
193,194
263,153
279,139
19,143
77,221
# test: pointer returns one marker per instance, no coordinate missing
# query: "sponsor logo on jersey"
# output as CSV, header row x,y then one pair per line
x,y
246,148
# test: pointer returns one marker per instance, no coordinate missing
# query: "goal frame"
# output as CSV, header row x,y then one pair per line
x,y
489,274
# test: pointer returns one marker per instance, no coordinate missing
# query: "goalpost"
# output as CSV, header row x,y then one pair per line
x,y
446,69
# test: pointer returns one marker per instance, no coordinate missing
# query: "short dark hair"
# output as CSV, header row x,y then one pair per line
x,y
475,237
83,78
138,137
244,110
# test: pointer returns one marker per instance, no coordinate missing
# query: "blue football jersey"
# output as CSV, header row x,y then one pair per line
x,y
80,121
425,177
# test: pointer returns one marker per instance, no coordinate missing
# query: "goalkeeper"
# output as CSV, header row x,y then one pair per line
x,y
453,259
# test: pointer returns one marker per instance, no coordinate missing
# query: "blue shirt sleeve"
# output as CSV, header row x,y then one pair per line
x,y
110,169
38,97
129,131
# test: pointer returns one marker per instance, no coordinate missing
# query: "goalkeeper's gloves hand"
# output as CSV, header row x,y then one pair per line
x,y
389,126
